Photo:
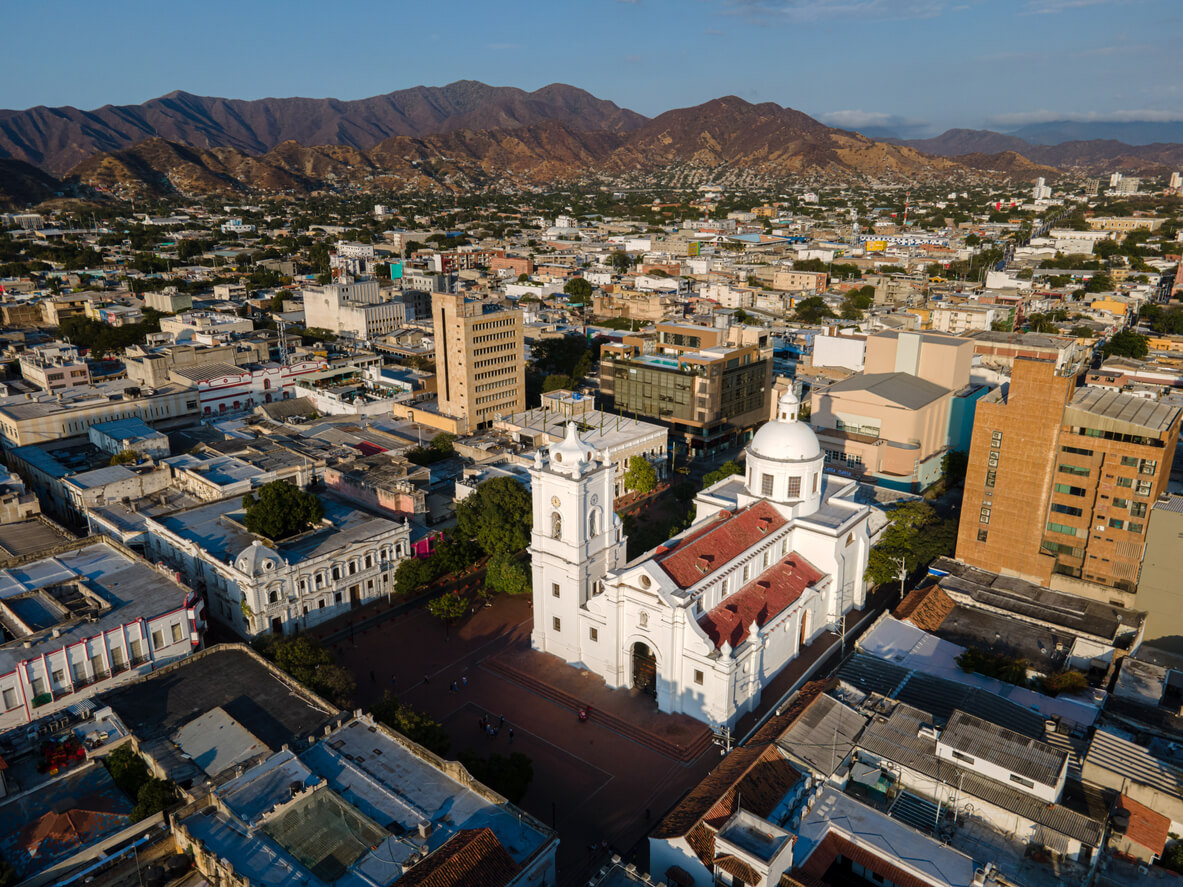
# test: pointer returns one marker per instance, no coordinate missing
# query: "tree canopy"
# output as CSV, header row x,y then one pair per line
x,y
813,310
411,723
577,288
727,469
1127,344
640,476
916,533
498,516
281,510
310,664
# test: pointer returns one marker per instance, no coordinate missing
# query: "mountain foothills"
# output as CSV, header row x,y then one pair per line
x,y
468,134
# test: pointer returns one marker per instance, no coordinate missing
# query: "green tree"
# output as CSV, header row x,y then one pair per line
x,y
916,533
620,261
727,469
1172,857
1038,323
411,574
411,723
281,510
507,575
443,443
312,665
498,516
155,795
557,382
1099,283
1082,332
813,310
124,457
1127,344
578,288
447,608
128,770
972,239
640,476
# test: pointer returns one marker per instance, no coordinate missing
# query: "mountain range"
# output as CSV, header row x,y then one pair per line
x,y
470,134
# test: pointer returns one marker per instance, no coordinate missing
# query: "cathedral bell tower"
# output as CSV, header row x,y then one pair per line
x,y
577,538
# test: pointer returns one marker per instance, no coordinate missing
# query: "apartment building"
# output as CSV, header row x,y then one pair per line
x,y
54,367
203,325
1060,482
223,388
480,359
806,281
966,318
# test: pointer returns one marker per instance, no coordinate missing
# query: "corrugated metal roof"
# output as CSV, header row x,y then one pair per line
x,y
1125,409
1009,750
824,735
872,674
1117,755
894,738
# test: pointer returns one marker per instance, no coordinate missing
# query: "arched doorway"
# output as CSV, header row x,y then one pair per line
x,y
644,670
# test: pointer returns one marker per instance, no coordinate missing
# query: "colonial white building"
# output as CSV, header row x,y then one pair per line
x,y
774,558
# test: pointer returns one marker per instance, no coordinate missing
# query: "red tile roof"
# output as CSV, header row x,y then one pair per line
x,y
72,828
1147,828
760,600
723,539
834,844
470,858
926,608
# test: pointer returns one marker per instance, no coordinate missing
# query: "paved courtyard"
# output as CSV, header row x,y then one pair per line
x,y
610,778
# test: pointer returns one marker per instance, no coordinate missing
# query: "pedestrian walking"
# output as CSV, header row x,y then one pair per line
x,y
453,688
511,735
463,680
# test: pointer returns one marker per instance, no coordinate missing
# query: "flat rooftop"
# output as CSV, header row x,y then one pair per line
x,y
1120,412
131,588
600,429
227,677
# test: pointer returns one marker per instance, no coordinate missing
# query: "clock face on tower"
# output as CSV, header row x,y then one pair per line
x,y
554,500
595,500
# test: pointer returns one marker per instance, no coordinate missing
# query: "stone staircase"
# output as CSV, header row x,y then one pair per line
x,y
687,753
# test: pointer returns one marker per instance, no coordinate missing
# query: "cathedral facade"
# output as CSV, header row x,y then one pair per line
x,y
774,558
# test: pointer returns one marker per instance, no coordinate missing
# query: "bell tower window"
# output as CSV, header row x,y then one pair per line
x,y
556,525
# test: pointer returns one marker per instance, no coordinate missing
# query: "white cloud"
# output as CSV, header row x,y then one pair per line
x,y
1143,115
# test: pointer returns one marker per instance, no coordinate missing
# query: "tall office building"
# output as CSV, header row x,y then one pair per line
x,y
479,359
1061,480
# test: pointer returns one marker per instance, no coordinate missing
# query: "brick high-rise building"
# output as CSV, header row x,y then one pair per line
x,y
1060,482
479,359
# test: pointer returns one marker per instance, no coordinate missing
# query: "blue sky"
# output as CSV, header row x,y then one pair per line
x,y
920,65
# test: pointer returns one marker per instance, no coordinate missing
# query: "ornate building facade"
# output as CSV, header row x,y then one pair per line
x,y
774,558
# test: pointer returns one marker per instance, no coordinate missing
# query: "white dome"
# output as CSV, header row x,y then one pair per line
x,y
257,559
786,442
571,454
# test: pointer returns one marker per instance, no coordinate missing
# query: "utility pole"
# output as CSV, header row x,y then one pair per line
x,y
722,738
902,564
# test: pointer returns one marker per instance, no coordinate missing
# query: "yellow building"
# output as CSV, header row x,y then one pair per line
x,y
479,359
1110,306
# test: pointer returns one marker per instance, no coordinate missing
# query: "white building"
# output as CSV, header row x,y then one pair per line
x,y
84,621
352,259
203,326
1041,191
256,587
703,622
356,308
53,367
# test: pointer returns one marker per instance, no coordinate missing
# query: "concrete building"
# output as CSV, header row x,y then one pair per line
x,y
710,394
353,308
805,281
129,435
999,350
479,359
774,558
618,437
967,317
256,587
204,326
223,388
41,419
169,301
54,367
84,621
361,805
1060,482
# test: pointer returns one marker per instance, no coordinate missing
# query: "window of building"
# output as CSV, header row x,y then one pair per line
x,y
157,639
794,487
272,596
1131,461
1137,509
1125,481
593,634
320,605
961,756
1061,528
996,439
10,701
137,649
177,633
1121,503
992,459
1149,466
815,483
337,598
554,589
1074,469
1070,490
556,525
698,676
1134,526
991,477
1066,509
1116,523
747,571
983,535
1076,451
556,623
984,515
1143,488
766,485
1019,780
58,677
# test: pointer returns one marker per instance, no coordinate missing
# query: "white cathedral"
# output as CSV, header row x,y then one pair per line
x,y
774,558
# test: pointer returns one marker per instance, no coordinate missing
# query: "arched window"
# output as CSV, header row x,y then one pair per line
x,y
272,596
556,525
